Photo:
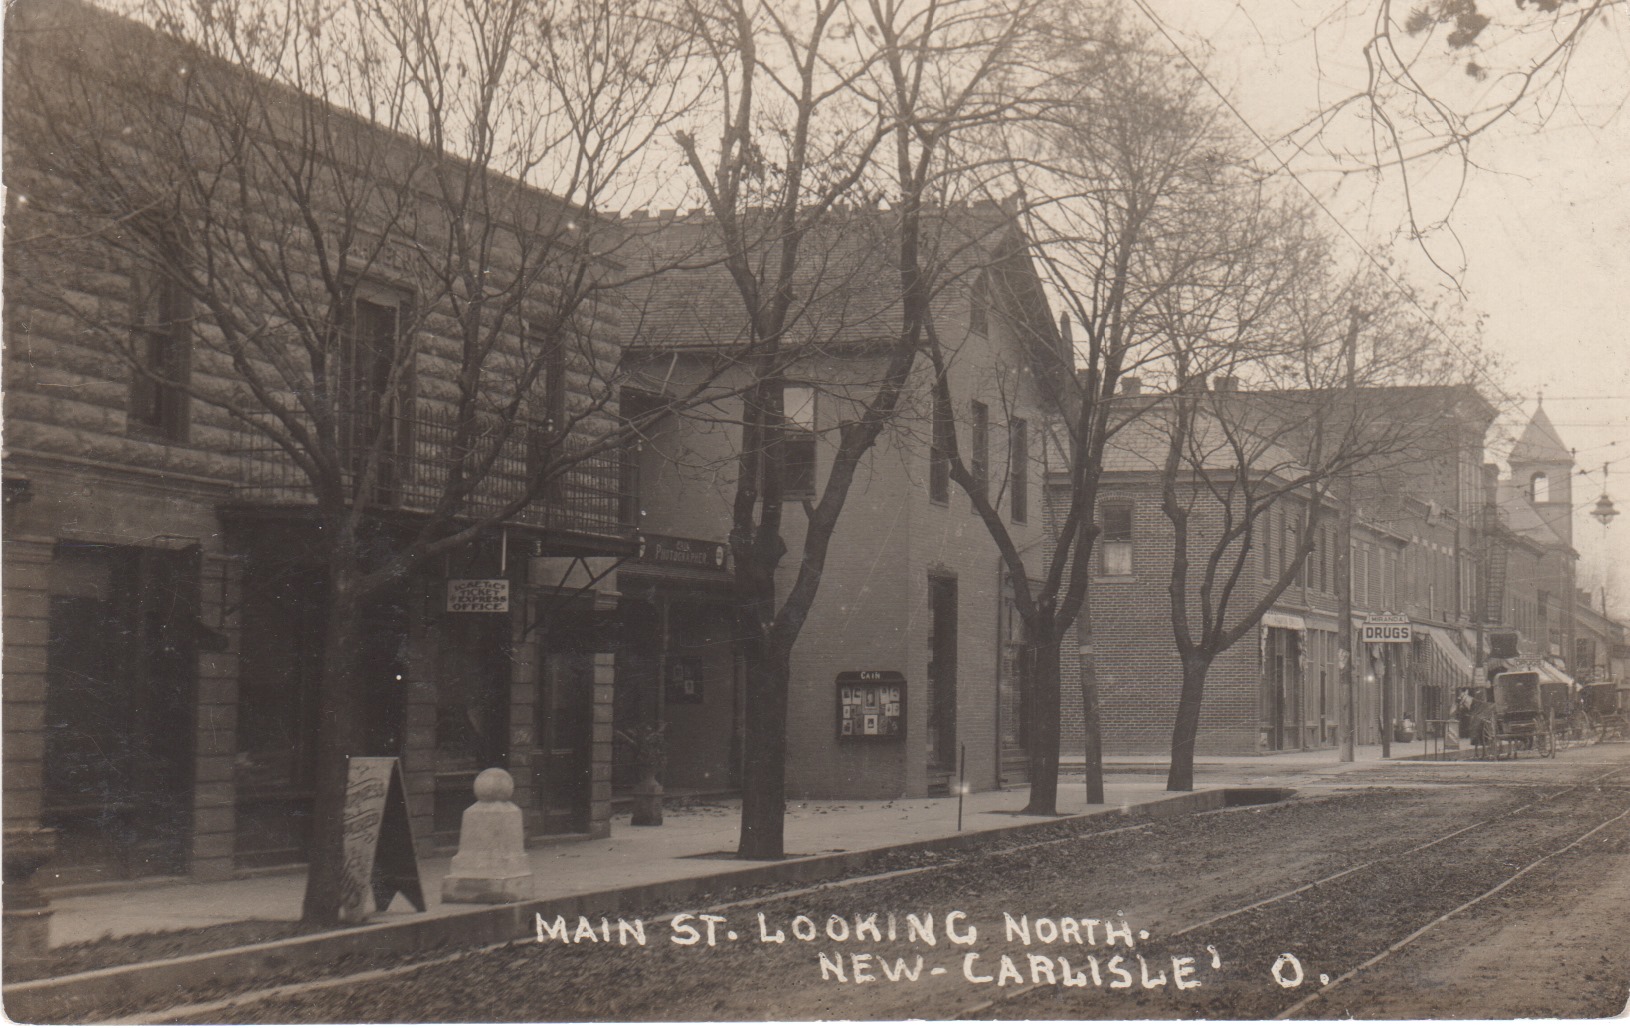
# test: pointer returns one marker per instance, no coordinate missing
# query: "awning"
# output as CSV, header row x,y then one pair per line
x,y
1274,619
1451,652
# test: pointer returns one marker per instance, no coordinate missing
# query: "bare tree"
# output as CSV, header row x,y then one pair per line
x,y
1271,412
835,105
1116,167
365,252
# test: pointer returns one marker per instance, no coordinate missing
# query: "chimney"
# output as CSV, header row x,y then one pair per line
x,y
1131,385
1491,484
1225,384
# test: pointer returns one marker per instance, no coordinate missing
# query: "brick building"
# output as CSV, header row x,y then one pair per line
x,y
1412,553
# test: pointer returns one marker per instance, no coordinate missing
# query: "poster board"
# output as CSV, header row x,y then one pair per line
x,y
379,857
871,706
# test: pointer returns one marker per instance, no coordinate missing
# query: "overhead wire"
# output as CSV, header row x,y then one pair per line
x,y
1284,165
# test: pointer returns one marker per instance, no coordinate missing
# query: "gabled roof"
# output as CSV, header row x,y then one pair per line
x,y
1540,443
847,286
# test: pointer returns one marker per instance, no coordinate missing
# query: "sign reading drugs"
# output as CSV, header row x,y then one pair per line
x,y
1386,628
478,596
379,858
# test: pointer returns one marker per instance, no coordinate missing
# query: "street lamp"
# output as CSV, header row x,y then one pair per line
x,y
1604,512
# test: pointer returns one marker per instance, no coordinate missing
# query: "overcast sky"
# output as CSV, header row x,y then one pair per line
x,y
1539,239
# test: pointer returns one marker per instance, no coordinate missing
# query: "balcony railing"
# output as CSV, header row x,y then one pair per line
x,y
592,495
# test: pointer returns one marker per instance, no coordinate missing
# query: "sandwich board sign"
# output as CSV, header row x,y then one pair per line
x,y
379,858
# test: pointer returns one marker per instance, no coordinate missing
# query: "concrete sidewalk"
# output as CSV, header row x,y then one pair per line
x,y
692,842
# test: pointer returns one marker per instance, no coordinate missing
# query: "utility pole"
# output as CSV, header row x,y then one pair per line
x,y
1344,569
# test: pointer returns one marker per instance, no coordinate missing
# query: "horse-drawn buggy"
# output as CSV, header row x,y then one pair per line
x,y
1517,715
1606,708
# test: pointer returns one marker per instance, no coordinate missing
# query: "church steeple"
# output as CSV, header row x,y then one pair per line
x,y
1542,467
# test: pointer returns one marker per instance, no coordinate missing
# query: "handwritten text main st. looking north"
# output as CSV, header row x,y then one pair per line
x,y
1083,952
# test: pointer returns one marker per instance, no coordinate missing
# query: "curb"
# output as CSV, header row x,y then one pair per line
x,y
70,997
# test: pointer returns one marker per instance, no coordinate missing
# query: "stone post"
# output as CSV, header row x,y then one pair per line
x,y
491,864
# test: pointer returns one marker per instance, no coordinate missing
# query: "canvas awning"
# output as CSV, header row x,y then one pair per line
x,y
1450,652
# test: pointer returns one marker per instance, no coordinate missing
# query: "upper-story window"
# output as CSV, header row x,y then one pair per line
x,y
161,351
376,383
1116,518
546,405
798,466
1539,487
939,452
1019,468
979,305
979,467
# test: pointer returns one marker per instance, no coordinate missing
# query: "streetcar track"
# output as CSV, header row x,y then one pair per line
x,y
1417,933
1018,993
294,989
1382,859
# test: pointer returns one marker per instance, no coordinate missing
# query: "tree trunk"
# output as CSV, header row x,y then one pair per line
x,y
1180,778
764,753
1044,697
1091,731
339,716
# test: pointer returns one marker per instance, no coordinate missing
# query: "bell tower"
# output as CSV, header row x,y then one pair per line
x,y
1543,469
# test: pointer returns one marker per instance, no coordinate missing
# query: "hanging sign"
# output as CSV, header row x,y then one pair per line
x,y
379,858
1386,628
692,553
478,596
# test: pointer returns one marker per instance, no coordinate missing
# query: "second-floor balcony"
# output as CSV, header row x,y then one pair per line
x,y
589,495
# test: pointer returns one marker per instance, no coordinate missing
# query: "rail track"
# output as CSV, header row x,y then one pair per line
x,y
1002,1006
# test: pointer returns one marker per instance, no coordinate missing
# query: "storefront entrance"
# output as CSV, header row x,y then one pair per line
x,y
1282,701
281,660
121,677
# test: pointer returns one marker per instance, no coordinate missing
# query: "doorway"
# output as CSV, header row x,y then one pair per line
x,y
562,764
121,679
1281,690
942,673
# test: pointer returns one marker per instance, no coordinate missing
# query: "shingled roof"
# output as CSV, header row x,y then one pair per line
x,y
847,287
1540,443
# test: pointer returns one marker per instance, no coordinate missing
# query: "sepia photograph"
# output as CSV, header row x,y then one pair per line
x,y
801,510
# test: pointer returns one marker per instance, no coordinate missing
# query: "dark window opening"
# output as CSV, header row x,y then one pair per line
x,y
980,467
546,409
939,452
979,305
162,349
798,441
1019,469
374,420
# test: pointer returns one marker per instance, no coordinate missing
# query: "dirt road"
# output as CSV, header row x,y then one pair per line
x,y
1516,877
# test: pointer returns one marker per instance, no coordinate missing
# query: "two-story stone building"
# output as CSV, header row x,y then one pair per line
x,y
179,423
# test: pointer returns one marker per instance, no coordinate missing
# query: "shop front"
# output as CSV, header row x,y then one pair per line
x,y
679,694
1283,707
